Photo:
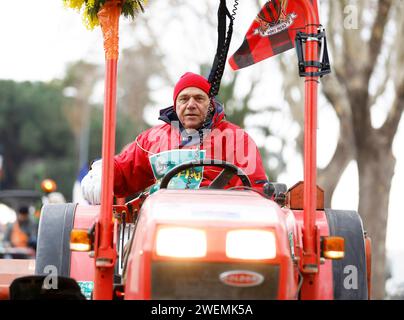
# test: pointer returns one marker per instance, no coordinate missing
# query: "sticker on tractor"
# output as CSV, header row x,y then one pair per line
x,y
87,288
241,278
163,162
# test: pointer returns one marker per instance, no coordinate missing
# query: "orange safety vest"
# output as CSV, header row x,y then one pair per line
x,y
19,238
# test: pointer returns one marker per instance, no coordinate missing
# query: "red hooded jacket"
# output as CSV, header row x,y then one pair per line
x,y
221,139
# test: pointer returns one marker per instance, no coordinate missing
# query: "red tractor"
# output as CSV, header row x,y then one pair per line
x,y
174,244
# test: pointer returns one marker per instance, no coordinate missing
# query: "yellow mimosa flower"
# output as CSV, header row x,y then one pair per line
x,y
75,4
90,8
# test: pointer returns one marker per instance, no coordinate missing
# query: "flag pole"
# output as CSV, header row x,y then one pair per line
x,y
311,256
105,252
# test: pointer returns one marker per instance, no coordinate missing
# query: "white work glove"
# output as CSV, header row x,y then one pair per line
x,y
91,183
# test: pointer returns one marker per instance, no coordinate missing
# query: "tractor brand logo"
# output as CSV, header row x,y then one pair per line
x,y
273,18
241,278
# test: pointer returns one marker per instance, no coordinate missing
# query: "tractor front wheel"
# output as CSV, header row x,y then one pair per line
x,y
349,273
53,246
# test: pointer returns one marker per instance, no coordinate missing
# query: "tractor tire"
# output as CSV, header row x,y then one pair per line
x,y
53,245
349,273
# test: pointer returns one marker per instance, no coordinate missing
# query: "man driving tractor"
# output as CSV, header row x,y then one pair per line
x,y
195,121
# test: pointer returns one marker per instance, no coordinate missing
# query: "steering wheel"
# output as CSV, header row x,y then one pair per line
x,y
228,172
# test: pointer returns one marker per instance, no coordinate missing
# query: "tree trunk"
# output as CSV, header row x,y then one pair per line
x,y
376,169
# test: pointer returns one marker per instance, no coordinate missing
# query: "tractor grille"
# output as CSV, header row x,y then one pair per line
x,y
200,280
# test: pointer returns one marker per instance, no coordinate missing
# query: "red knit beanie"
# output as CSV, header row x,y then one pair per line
x,y
190,79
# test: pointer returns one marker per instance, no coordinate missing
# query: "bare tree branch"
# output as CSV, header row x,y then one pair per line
x,y
333,32
329,176
292,83
202,16
376,38
382,85
361,6
351,46
390,126
333,92
331,26
249,95
397,64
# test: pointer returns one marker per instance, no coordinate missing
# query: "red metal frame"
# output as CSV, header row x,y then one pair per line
x,y
105,252
311,255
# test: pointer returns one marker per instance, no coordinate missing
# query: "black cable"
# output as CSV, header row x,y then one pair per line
x,y
223,45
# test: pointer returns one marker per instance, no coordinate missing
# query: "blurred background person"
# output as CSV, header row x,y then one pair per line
x,y
23,232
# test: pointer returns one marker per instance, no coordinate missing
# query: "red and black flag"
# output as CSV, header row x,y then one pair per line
x,y
272,32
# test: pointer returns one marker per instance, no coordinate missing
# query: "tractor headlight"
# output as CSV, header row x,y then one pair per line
x,y
181,242
250,244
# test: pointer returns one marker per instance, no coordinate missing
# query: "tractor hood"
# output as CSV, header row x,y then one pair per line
x,y
220,207
187,237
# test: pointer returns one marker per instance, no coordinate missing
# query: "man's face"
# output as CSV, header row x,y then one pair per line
x,y
192,105
21,217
